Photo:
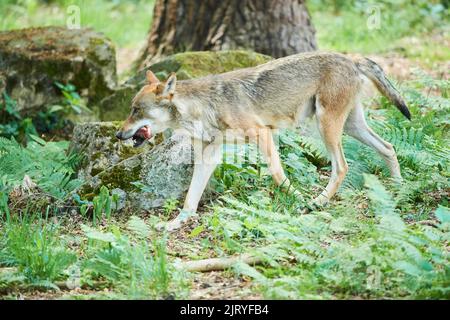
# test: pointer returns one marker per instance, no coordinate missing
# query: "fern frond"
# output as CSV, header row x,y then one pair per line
x,y
46,163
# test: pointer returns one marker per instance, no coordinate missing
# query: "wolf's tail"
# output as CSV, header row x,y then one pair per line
x,y
374,72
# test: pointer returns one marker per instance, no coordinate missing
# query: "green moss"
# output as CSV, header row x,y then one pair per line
x,y
96,42
98,54
109,129
120,177
95,171
129,151
187,65
95,156
190,65
116,177
199,64
118,105
87,192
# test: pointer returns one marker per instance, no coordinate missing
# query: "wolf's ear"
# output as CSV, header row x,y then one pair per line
x,y
151,78
169,88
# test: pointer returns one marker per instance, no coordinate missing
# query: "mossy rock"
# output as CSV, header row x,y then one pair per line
x,y
118,105
191,65
32,60
146,180
187,65
96,141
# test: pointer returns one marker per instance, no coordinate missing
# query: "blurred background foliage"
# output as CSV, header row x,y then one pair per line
x,y
124,21
341,25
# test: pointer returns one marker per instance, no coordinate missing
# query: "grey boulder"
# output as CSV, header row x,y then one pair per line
x,y
33,60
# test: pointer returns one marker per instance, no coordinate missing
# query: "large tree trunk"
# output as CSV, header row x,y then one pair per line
x,y
274,27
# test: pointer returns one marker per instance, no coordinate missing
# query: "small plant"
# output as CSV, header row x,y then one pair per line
x,y
136,268
46,163
49,119
57,118
12,124
73,103
102,205
4,209
33,245
170,205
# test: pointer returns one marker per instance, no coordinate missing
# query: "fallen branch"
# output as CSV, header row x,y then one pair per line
x,y
218,264
430,223
63,285
8,270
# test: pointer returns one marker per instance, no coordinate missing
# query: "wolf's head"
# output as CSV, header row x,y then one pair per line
x,y
151,110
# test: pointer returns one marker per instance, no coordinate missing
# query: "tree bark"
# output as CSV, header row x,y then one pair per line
x,y
274,27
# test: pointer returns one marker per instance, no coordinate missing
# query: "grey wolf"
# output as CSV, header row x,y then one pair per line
x,y
252,102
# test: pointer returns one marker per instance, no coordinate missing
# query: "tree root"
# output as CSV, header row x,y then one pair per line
x,y
218,264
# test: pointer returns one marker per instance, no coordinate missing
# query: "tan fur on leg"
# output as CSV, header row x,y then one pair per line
x,y
356,126
331,125
206,160
268,149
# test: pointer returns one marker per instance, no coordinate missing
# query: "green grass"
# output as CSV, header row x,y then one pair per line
x,y
124,260
33,245
125,22
346,29
135,267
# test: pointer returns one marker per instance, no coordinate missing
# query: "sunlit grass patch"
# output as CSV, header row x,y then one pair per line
x,y
125,22
412,29
33,245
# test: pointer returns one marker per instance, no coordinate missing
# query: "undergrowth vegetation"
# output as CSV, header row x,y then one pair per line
x,y
372,26
378,239
53,120
46,163
33,245
136,267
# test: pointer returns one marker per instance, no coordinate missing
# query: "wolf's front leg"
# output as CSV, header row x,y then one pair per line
x,y
206,160
269,150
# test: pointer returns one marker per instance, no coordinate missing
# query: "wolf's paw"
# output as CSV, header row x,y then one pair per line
x,y
319,202
296,193
169,226
398,179
303,210
310,207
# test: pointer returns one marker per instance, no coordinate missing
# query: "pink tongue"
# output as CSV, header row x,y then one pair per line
x,y
146,132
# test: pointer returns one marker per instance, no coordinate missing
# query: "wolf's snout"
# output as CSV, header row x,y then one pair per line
x,y
119,135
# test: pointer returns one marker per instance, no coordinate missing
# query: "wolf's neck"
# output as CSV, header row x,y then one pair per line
x,y
196,117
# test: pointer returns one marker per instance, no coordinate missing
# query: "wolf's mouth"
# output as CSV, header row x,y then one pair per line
x,y
141,136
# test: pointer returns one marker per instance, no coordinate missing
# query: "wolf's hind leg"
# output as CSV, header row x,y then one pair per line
x,y
356,126
331,125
